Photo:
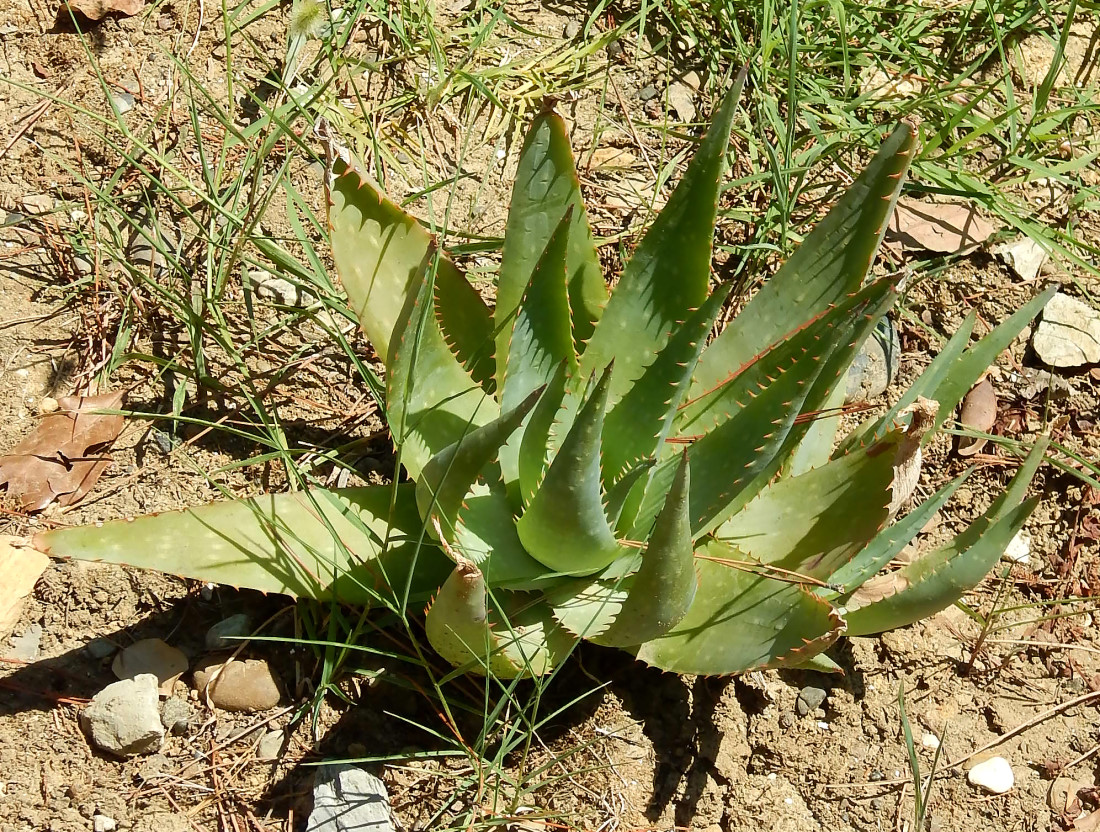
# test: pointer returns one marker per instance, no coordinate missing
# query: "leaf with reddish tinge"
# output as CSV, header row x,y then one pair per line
x,y
65,455
942,227
979,412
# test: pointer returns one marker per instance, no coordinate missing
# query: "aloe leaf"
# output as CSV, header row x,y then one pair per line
x,y
564,527
534,444
465,324
486,534
813,523
637,426
669,273
546,188
817,445
586,608
746,425
956,369
742,621
459,627
391,269
820,663
888,543
431,401
342,544
448,476
831,263
938,579
616,502
662,589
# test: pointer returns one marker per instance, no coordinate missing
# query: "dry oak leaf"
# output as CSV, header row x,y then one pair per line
x,y
65,455
979,411
943,227
98,9
20,567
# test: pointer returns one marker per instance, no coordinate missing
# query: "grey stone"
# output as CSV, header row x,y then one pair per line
x,y
572,29
175,715
100,648
271,745
876,364
1024,256
123,719
786,721
647,93
1069,333
25,648
225,634
682,100
348,799
277,289
123,101
809,700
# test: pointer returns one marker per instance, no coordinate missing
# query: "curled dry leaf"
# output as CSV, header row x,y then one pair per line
x,y
942,227
21,566
979,412
65,455
98,9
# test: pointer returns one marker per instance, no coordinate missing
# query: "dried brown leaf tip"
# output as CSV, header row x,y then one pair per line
x,y
65,455
98,9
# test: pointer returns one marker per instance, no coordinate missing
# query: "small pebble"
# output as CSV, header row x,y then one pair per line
x,y
1069,333
270,747
25,648
1019,548
241,686
876,776
930,741
647,93
809,699
123,101
102,823
175,715
48,404
993,775
100,648
822,725
572,29
123,718
226,633
786,721
875,365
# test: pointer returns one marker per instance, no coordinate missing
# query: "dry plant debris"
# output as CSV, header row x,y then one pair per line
x,y
65,455
942,227
98,9
21,568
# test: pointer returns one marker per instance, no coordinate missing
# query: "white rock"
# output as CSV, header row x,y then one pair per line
x,y
277,289
1019,548
102,823
994,775
1069,334
1024,256
930,741
681,99
346,798
123,718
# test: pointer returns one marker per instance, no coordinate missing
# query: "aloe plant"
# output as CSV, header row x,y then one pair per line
x,y
586,464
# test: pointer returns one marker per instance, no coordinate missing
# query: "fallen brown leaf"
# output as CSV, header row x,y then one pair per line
x,y
98,9
21,566
943,227
979,412
65,455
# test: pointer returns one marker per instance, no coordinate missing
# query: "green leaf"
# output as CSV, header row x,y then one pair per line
x,y
813,523
392,271
618,505
449,475
316,544
565,527
938,579
662,590
534,457
888,543
431,401
486,534
742,621
546,188
668,276
747,425
637,426
831,264
460,628
465,324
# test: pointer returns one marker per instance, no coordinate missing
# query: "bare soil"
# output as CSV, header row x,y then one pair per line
x,y
648,750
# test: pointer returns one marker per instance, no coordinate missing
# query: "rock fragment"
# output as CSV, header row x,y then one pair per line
x,y
123,719
248,685
151,655
1069,333
809,700
348,799
226,633
993,775
1024,256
